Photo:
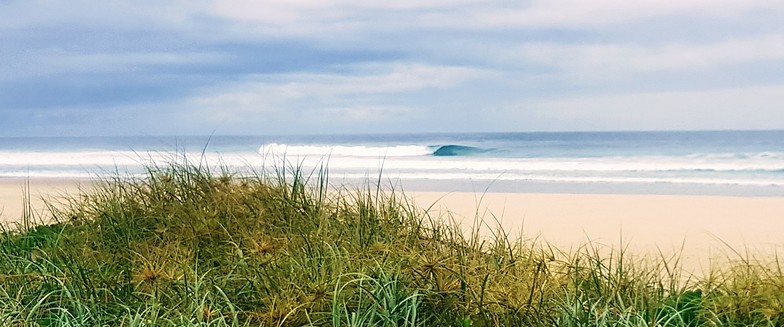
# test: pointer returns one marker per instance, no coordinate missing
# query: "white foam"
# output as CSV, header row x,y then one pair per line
x,y
340,150
81,158
401,158
414,162
616,164
713,170
572,179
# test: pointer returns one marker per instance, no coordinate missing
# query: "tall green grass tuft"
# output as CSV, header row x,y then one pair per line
x,y
187,246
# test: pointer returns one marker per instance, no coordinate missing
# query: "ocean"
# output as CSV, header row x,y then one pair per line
x,y
741,163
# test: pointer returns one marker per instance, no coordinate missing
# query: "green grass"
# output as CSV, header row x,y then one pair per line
x,y
185,246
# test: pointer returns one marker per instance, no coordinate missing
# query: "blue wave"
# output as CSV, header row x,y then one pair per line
x,y
453,150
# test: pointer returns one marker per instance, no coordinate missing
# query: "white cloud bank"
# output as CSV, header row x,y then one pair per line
x,y
394,79
475,65
737,108
369,94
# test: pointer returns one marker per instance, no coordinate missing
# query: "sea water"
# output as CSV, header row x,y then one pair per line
x,y
746,163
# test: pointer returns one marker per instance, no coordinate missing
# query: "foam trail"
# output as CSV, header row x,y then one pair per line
x,y
573,179
609,165
342,150
713,160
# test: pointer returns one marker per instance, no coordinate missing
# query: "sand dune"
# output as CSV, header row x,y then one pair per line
x,y
698,227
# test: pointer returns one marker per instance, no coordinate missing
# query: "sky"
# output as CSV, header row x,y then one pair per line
x,y
197,67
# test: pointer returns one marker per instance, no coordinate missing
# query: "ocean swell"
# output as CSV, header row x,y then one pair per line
x,y
453,150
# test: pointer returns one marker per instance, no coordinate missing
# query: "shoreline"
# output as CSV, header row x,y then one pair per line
x,y
533,187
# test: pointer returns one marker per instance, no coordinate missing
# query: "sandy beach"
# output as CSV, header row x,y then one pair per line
x,y
700,228
41,191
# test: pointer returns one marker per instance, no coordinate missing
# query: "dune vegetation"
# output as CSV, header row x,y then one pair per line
x,y
187,246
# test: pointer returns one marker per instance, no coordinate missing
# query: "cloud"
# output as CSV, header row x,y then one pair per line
x,y
365,114
144,14
306,17
327,22
375,80
600,61
54,62
182,66
374,95
737,108
605,13
282,12
266,92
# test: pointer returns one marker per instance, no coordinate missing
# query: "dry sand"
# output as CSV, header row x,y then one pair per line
x,y
699,228
13,190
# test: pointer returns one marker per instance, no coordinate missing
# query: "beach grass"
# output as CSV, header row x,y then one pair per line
x,y
189,246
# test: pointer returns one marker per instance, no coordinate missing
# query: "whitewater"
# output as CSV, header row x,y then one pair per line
x,y
732,162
